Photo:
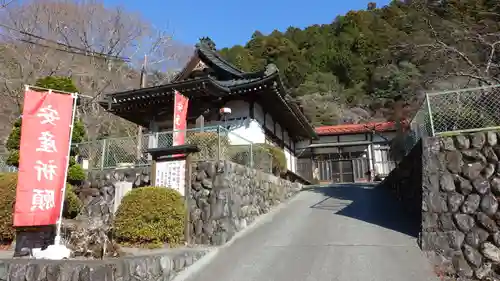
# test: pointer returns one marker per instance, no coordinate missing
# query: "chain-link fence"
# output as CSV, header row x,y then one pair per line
x,y
4,168
215,143
451,113
466,110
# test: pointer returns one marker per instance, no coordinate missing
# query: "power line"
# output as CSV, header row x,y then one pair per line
x,y
75,53
4,5
83,52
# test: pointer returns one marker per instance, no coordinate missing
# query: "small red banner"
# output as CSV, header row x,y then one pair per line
x,y
180,119
45,141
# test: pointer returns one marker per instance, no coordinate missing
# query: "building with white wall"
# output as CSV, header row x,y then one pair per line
x,y
345,153
261,110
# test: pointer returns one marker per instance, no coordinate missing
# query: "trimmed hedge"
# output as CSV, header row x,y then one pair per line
x,y
150,216
8,183
76,174
72,204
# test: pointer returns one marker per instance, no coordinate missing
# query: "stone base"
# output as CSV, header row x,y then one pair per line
x,y
135,268
32,238
89,239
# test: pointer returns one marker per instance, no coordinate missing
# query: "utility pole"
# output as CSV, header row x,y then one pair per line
x,y
144,75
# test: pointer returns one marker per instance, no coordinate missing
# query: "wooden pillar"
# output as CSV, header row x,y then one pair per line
x,y
341,171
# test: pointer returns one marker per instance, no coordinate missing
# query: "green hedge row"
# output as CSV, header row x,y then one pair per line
x,y
8,183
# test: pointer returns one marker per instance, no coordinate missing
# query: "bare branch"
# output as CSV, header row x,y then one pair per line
x,y
88,27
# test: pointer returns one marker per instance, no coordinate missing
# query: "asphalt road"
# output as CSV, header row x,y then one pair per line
x,y
342,233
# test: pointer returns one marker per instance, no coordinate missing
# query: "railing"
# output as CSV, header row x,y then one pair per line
x,y
450,113
215,143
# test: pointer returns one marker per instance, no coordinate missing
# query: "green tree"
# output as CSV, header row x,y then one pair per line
x,y
65,84
376,54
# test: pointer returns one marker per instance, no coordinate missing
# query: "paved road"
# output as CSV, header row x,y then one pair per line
x,y
342,233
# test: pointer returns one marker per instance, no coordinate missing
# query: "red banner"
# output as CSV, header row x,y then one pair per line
x,y
180,118
45,141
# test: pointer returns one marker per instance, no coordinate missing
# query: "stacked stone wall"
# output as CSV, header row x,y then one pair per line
x,y
460,214
226,197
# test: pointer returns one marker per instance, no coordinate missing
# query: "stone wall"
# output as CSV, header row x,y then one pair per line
x,y
88,235
153,267
460,216
101,190
98,194
226,197
405,181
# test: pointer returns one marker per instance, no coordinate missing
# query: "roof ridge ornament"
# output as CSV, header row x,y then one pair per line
x,y
207,42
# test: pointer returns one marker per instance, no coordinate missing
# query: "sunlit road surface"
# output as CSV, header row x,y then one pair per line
x,y
344,233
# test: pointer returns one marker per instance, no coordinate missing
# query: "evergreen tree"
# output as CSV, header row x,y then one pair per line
x,y
65,84
374,55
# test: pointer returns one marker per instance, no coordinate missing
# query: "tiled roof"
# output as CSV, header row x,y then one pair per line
x,y
237,82
357,128
218,61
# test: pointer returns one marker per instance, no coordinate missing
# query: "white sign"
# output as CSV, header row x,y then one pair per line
x,y
171,174
42,199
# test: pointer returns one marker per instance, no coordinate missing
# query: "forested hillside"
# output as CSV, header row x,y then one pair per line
x,y
351,70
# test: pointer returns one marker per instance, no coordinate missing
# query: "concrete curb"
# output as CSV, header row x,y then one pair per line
x,y
206,259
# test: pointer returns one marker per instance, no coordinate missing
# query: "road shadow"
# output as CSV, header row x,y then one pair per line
x,y
368,203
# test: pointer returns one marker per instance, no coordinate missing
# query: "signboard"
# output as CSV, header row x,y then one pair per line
x,y
43,159
171,174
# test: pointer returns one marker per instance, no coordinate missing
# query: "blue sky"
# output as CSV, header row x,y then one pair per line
x,y
233,22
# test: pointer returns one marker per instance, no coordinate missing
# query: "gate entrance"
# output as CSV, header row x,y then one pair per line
x,y
342,167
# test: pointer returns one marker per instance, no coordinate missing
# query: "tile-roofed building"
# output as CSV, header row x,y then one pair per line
x,y
356,128
262,110
346,153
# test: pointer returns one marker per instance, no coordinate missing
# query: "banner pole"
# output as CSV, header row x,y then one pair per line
x,y
57,240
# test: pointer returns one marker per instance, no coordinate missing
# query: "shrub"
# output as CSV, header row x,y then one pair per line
x,y
72,204
278,157
13,143
8,182
239,154
13,158
76,174
150,216
209,144
57,83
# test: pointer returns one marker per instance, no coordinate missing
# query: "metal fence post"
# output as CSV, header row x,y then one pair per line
x,y
251,155
218,143
103,154
429,111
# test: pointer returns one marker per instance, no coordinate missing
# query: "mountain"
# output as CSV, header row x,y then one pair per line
x,y
353,69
